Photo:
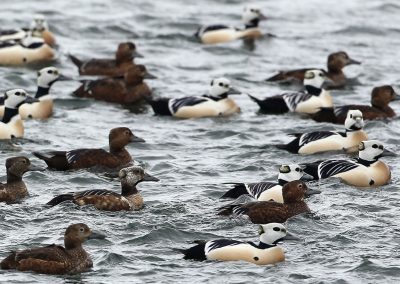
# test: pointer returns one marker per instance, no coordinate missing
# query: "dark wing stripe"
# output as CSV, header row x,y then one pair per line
x,y
212,245
293,99
333,167
340,111
175,104
314,136
256,189
97,192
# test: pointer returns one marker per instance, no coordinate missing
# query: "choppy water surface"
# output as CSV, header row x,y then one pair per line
x,y
354,235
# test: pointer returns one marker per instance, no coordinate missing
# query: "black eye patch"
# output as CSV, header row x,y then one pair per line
x,y
276,229
374,146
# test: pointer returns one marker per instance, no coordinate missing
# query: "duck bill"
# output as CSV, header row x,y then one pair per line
x,y
136,54
148,177
33,168
64,78
149,76
30,100
290,237
233,91
327,82
137,139
387,153
352,61
262,17
261,230
96,235
396,97
310,192
307,177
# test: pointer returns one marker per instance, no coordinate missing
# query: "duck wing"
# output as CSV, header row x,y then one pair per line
x,y
176,104
330,168
86,158
293,99
216,244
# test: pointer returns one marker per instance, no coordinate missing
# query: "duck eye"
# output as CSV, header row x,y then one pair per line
x,y
81,230
252,10
221,84
374,146
276,229
50,71
300,186
24,161
17,93
297,169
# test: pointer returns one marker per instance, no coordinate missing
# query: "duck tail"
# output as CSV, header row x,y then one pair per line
x,y
75,60
238,189
196,252
277,77
60,198
159,106
42,156
254,99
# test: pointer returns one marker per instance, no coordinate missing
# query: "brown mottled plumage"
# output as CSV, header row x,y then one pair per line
x,y
15,189
336,62
87,158
264,212
124,56
129,199
55,259
128,89
380,98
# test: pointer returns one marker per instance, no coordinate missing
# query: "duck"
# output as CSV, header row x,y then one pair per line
x,y
56,259
27,50
324,141
215,34
129,199
85,158
263,212
128,89
335,64
38,28
11,125
366,171
216,103
44,107
306,102
124,56
267,191
381,96
15,188
265,252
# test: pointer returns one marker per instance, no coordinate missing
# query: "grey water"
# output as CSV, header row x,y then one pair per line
x,y
353,235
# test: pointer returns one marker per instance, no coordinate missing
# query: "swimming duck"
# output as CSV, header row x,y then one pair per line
x,y
309,101
15,189
129,199
324,141
220,33
217,103
263,253
11,125
56,259
336,62
380,98
366,171
44,107
38,28
263,212
123,61
128,89
86,158
267,191
27,50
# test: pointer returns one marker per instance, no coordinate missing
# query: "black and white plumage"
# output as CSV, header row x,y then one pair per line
x,y
265,252
309,101
175,104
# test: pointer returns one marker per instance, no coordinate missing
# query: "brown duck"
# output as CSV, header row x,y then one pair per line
x,y
15,189
87,158
264,212
128,89
55,259
129,199
124,56
336,62
379,109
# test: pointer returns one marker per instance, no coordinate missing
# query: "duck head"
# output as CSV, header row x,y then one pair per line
x,y
372,150
314,80
120,137
381,96
14,98
221,88
274,233
38,24
252,16
17,166
133,175
338,60
136,74
296,191
291,172
126,52
77,234
354,120
48,76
